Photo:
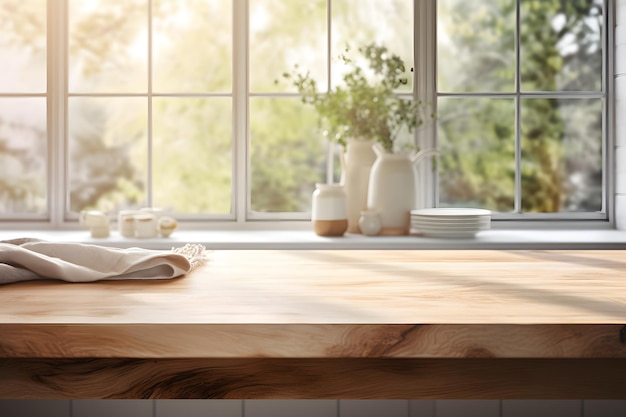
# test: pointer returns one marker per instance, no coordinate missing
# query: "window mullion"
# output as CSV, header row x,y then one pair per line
x,y
425,90
57,59
330,153
517,204
240,129
608,119
150,179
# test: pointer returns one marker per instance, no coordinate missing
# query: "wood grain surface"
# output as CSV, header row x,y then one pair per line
x,y
346,287
300,317
314,378
312,341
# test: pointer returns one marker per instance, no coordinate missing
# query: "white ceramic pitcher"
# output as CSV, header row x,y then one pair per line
x,y
392,188
356,164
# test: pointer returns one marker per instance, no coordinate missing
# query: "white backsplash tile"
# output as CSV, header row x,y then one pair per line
x,y
198,408
620,92
112,408
604,408
620,59
620,123
620,170
620,211
541,408
373,408
620,15
34,408
620,32
290,408
468,408
422,408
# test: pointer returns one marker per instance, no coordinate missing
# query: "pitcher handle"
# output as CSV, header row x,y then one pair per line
x,y
378,149
417,158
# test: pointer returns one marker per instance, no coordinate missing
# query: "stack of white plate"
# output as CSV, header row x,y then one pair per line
x,y
450,222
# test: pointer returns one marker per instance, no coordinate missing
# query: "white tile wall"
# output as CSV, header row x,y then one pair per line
x,y
468,408
422,408
198,408
602,408
313,408
373,408
542,408
621,12
620,31
620,211
620,90
620,58
34,408
620,122
620,169
113,408
290,408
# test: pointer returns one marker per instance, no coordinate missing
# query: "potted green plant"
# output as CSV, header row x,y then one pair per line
x,y
365,109
366,104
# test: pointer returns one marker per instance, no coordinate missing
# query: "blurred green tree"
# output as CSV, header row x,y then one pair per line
x,y
561,50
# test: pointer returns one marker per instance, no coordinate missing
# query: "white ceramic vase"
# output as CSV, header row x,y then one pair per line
x,y
356,161
392,188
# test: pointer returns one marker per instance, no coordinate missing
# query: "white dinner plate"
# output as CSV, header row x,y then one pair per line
x,y
452,212
447,221
447,228
449,234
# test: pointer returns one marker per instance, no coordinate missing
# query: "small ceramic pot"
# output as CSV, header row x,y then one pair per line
x,y
145,225
369,222
329,214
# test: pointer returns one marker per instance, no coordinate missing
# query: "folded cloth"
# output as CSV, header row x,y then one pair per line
x,y
29,259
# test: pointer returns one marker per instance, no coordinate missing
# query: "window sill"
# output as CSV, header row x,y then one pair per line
x,y
306,239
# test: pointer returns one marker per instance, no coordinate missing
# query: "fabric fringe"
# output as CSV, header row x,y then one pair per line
x,y
195,253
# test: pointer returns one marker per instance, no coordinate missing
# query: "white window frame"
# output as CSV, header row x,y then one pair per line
x,y
241,216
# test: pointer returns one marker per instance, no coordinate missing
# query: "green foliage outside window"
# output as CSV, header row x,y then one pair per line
x,y
192,160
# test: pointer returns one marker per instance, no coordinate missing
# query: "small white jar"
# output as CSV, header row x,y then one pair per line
x,y
97,221
126,222
91,218
369,222
166,225
145,225
330,213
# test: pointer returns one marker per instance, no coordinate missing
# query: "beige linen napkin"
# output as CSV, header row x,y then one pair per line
x,y
28,259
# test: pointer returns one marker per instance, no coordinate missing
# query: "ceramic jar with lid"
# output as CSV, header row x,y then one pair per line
x,y
330,213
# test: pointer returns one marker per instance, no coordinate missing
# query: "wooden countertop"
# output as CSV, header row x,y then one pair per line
x,y
335,304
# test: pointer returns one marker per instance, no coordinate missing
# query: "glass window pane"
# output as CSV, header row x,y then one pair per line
x,y
561,155
561,45
287,155
357,23
23,156
284,33
179,27
108,46
192,157
477,143
23,46
476,46
107,153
